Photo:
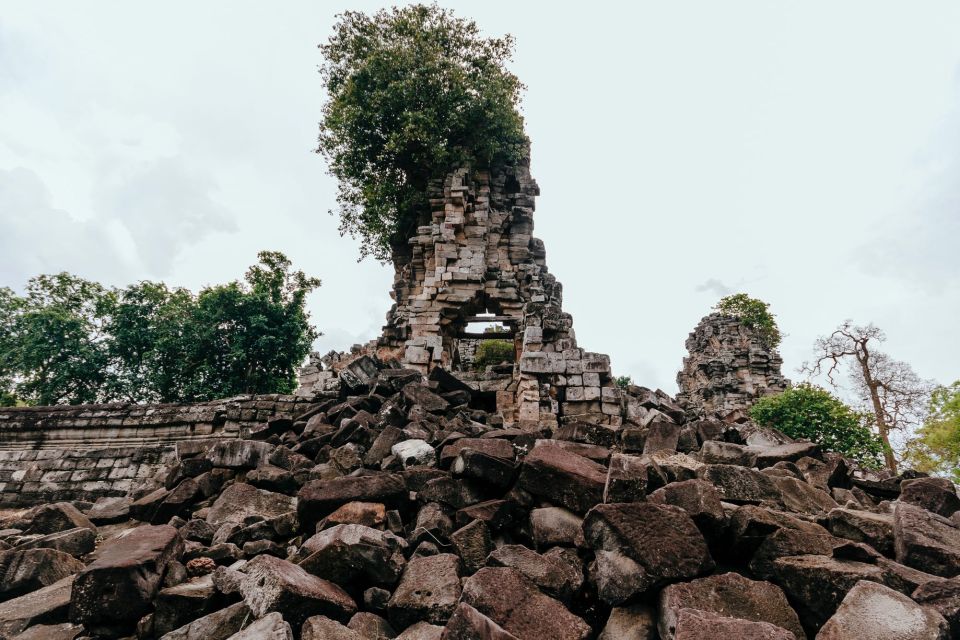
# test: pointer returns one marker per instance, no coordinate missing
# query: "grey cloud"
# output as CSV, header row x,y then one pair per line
x,y
165,207
37,238
715,286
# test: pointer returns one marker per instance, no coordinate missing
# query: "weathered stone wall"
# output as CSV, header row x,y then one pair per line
x,y
85,452
728,368
476,254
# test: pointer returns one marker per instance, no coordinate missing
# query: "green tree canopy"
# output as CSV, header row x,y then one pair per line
x,y
808,411
752,313
70,341
935,448
412,93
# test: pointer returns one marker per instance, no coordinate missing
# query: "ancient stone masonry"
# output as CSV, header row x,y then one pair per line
x,y
85,452
476,259
728,368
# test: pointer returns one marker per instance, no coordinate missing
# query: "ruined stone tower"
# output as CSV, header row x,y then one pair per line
x,y
728,368
476,260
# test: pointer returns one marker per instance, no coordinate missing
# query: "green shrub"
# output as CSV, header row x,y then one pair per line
x,y
623,381
752,313
807,411
492,352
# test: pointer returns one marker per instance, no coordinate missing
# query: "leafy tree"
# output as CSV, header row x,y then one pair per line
x,y
250,337
808,411
623,381
889,389
935,448
412,93
150,342
55,343
73,341
752,313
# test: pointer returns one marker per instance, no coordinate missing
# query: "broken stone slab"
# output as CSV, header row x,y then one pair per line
x,y
64,631
551,526
630,478
467,623
923,540
118,588
44,605
494,471
270,627
77,542
369,514
938,495
428,591
473,544
417,394
662,435
218,625
26,570
749,526
800,497
323,628
564,478
643,545
270,584
370,625
740,485
789,542
729,595
414,452
790,452
718,452
699,499
557,572
109,510
348,553
693,624
239,501
817,584
871,610
514,603
630,622
239,454
495,447
944,597
875,529
319,498
53,518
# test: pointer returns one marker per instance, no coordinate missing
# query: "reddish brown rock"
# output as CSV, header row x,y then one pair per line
x,y
118,588
871,610
272,584
704,625
938,495
428,591
926,541
563,478
514,603
729,595
318,498
642,545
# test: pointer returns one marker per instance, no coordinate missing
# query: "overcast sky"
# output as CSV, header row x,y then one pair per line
x,y
807,153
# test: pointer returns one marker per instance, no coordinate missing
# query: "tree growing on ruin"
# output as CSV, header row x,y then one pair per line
x,y
935,448
889,390
752,313
810,412
412,93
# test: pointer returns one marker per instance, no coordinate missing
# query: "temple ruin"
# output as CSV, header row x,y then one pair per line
x,y
476,261
728,368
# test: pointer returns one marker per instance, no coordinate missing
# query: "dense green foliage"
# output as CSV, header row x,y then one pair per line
x,y
70,341
412,93
807,411
623,381
493,352
935,447
752,313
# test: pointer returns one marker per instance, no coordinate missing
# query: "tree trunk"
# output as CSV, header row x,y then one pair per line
x,y
882,428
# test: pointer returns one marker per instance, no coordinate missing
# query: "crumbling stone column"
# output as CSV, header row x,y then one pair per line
x,y
477,255
728,368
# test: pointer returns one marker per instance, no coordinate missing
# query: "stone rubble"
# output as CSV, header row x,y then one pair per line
x,y
450,524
